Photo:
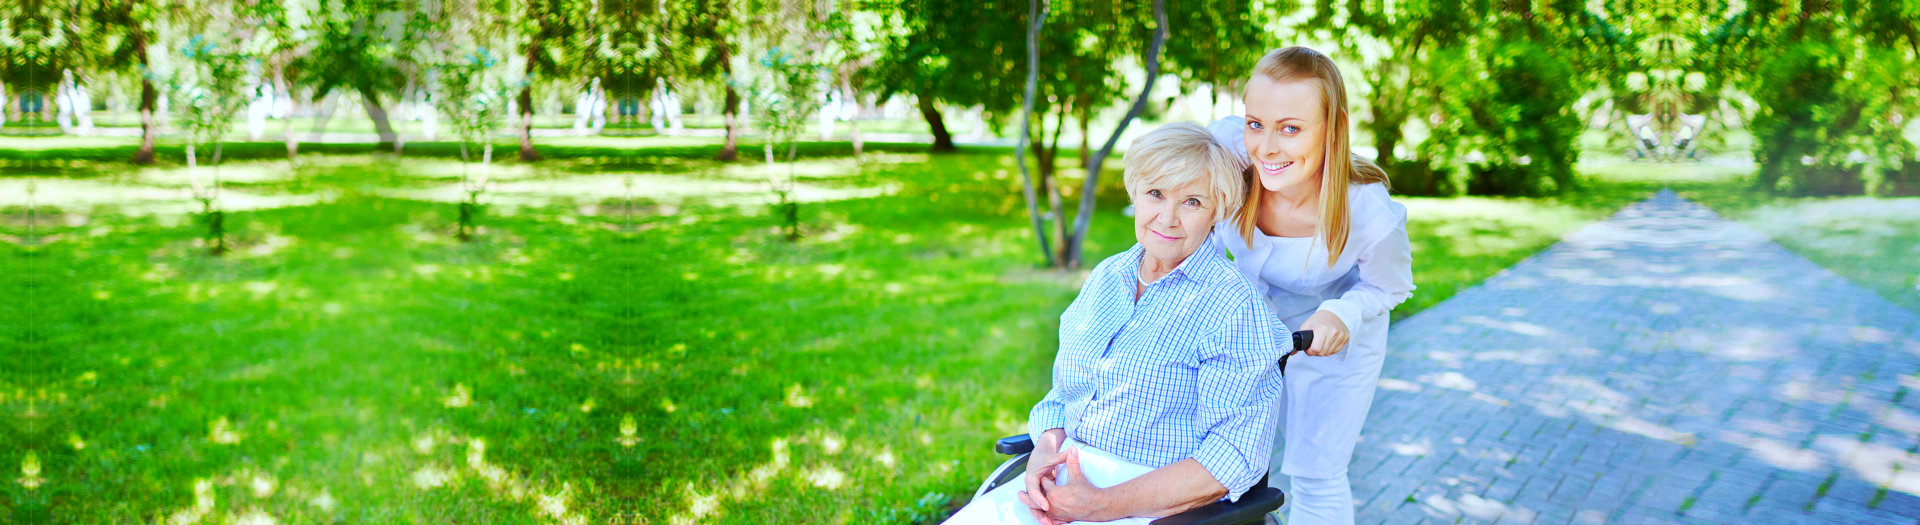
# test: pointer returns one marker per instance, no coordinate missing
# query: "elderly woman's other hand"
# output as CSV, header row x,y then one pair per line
x,y
1077,499
1041,465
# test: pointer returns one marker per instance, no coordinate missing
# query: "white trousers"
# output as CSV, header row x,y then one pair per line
x,y
1320,501
1002,506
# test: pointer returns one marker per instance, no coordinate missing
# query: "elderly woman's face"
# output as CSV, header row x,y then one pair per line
x,y
1172,222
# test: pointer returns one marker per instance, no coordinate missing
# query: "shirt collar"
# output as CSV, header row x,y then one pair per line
x,y
1200,266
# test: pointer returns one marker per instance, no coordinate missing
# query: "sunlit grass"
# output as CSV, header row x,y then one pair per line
x,y
1874,242
350,361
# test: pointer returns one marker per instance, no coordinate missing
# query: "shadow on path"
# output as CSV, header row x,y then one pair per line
x,y
1664,365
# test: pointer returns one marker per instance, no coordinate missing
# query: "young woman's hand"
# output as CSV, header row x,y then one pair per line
x,y
1329,334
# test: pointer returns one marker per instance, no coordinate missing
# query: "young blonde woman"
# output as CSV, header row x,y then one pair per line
x,y
1322,242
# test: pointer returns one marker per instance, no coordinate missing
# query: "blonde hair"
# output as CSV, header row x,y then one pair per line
x,y
1300,64
1178,154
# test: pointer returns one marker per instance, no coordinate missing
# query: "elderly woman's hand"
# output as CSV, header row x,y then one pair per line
x,y
1329,334
1041,465
1077,499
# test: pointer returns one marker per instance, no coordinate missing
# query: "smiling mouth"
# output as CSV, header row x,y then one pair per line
x,y
1163,236
1273,167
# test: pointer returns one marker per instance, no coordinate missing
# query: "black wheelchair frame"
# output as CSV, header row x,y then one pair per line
x,y
1252,507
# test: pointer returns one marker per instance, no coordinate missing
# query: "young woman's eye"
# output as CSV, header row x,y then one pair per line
x,y
1253,125
1291,129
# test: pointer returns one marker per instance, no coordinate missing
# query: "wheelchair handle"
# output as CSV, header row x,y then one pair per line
x,y
1301,341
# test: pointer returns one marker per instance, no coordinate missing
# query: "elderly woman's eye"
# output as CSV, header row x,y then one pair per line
x,y
1153,193
1193,202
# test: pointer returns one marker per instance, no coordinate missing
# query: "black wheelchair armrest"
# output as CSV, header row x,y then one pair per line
x,y
1014,445
1254,504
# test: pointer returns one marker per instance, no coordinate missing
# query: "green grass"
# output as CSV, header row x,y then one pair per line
x,y
654,360
1872,241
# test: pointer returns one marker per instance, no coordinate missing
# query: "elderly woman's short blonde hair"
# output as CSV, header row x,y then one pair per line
x,y
1178,154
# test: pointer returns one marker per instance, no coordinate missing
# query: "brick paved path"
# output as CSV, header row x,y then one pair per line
x,y
1664,365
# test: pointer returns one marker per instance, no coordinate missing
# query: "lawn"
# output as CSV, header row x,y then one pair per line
x,y
1872,241
627,338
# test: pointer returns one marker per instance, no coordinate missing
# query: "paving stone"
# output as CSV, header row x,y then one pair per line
x,y
1650,360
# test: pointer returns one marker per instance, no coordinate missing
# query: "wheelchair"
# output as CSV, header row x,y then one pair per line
x,y
1253,506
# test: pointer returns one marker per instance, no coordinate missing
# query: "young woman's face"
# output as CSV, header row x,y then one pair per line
x,y
1286,131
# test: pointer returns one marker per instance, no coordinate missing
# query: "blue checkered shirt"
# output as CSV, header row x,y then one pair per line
x,y
1187,372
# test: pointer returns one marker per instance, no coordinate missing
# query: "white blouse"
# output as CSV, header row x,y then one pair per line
x,y
1373,274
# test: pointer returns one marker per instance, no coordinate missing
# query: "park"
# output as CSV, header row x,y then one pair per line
x,y
745,261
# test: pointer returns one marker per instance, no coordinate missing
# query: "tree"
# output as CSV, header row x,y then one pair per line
x,y
708,42
851,38
1219,42
1037,18
1830,81
120,33
474,90
556,38
1396,46
1074,246
942,53
208,88
357,47
280,36
784,97
1071,72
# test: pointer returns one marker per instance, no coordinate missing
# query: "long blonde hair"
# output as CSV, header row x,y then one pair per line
x,y
1296,64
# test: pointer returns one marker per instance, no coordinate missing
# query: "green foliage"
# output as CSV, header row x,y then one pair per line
x,y
785,94
1405,53
1494,80
208,87
474,92
1527,128
1802,116
1829,81
1218,42
941,51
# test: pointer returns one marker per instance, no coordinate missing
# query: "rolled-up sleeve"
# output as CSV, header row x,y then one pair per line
x,y
1238,384
1048,414
1386,280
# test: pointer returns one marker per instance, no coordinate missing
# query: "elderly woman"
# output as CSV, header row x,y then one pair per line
x,y
1165,378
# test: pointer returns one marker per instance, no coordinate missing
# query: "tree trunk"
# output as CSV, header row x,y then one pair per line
x,y
1039,16
329,101
149,98
1386,137
378,113
942,140
1084,124
731,151
1075,246
1055,197
280,87
527,154
853,124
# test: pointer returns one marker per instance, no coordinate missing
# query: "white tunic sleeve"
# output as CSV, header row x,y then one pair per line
x,y
1386,280
1231,131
